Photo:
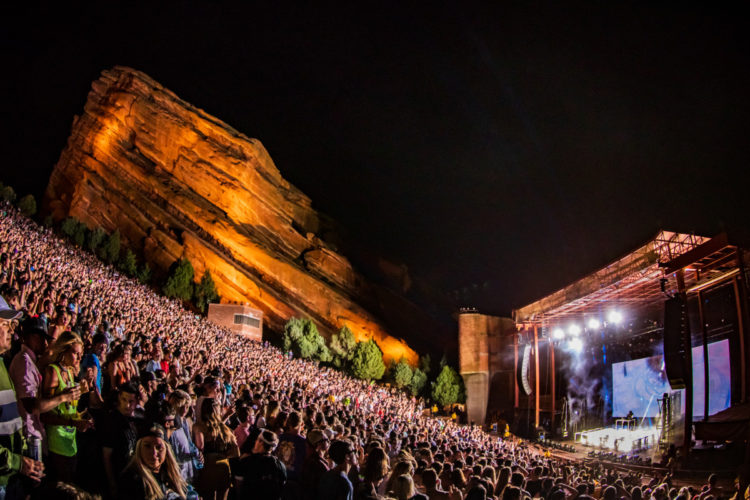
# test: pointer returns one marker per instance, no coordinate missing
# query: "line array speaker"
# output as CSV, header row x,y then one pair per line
x,y
675,348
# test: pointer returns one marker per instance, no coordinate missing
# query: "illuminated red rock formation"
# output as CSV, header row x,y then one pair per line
x,y
179,182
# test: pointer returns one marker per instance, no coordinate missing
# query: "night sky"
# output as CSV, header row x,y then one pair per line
x,y
500,152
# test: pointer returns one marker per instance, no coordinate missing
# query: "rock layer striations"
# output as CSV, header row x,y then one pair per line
x,y
177,182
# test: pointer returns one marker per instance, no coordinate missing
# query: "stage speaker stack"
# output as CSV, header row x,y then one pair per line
x,y
675,348
522,370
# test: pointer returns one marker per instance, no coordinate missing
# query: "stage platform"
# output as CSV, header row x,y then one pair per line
x,y
634,446
620,439
648,464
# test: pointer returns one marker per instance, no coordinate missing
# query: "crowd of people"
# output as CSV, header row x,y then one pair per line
x,y
111,390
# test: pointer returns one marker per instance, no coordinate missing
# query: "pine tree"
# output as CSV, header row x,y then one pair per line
x,y
94,238
180,280
144,274
418,381
7,193
301,336
110,251
74,229
205,292
292,333
127,263
367,362
342,347
425,363
401,373
447,387
27,205
68,226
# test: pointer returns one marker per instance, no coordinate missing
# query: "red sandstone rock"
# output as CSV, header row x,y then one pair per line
x,y
179,182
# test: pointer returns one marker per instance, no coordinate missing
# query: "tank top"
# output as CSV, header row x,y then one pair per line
x,y
61,439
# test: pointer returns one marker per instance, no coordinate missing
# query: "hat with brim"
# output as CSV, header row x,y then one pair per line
x,y
6,312
35,325
315,436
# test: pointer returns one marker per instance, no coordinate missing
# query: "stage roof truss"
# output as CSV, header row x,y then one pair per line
x,y
642,279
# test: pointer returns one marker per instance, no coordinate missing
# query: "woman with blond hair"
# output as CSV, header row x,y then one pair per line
x,y
153,473
184,449
217,443
404,489
62,421
402,467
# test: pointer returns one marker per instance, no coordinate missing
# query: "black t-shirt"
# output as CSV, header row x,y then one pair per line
x,y
533,486
263,477
120,434
365,491
334,485
312,471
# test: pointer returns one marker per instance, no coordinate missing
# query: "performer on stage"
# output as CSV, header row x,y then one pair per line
x,y
631,420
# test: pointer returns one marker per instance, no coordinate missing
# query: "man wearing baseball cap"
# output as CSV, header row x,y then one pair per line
x,y
316,464
27,380
12,442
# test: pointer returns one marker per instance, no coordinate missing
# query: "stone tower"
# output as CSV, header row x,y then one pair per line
x,y
486,363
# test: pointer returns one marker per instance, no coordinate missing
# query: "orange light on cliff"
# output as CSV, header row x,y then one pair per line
x,y
106,137
397,350
212,195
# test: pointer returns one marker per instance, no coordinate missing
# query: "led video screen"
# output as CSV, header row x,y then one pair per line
x,y
639,383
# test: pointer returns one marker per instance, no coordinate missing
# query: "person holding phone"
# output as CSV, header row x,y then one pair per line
x,y
62,421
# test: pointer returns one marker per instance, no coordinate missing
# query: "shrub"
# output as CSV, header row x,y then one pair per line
x,y
27,205
401,373
446,389
127,263
301,336
180,280
7,193
205,292
110,251
94,238
342,347
367,361
418,381
74,229
144,274
425,363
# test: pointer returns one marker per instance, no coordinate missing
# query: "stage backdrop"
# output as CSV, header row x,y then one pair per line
x,y
637,384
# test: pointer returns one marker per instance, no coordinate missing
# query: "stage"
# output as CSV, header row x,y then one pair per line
x,y
619,439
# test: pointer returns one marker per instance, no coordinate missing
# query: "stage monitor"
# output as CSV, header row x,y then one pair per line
x,y
639,383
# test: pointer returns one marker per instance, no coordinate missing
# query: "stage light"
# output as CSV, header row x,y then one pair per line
x,y
575,345
614,317
593,324
558,333
574,329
